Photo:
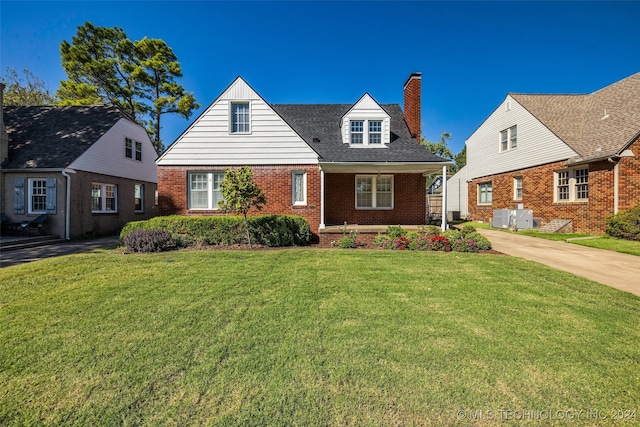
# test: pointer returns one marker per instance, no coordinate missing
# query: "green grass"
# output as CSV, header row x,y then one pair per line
x,y
308,337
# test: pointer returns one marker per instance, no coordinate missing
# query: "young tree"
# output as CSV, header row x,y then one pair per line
x,y
30,92
460,160
240,194
439,148
103,65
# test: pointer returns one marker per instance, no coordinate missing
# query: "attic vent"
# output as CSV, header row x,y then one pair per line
x,y
508,105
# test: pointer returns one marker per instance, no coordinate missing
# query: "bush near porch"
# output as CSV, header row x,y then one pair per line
x,y
430,238
185,231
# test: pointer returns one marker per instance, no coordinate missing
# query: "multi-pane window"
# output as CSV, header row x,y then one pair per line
x,y
509,138
37,195
572,185
517,188
132,148
204,190
374,192
240,118
485,193
299,187
138,197
375,132
104,197
357,132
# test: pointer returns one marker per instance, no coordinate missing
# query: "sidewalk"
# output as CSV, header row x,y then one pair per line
x,y
20,256
620,271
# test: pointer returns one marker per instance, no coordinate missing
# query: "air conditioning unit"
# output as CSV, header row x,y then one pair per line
x,y
517,219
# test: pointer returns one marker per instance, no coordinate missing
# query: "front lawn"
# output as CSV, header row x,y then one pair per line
x,y
311,337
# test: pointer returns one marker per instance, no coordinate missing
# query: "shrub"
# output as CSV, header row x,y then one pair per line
x,y
466,229
452,234
268,230
147,241
481,242
395,231
625,224
439,243
432,230
464,245
380,240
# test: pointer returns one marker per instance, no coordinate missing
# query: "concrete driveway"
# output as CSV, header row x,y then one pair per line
x,y
620,271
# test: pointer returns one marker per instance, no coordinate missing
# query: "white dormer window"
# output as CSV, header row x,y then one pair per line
x,y
240,117
365,132
357,132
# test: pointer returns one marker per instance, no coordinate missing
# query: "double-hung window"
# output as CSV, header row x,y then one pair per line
x,y
375,132
240,117
364,132
485,193
374,192
299,187
509,139
204,190
572,185
104,198
517,188
138,197
357,132
132,149
37,195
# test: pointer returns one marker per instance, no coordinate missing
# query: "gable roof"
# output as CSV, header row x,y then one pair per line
x,y
53,137
597,125
319,126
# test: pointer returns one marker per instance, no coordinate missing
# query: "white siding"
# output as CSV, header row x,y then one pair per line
x,y
106,156
457,193
367,108
208,141
537,145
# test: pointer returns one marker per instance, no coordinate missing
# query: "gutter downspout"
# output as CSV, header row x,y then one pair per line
x,y
67,213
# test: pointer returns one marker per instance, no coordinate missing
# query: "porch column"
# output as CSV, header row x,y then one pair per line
x,y
444,198
321,200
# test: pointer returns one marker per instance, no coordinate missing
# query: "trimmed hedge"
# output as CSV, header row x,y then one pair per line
x,y
267,230
625,224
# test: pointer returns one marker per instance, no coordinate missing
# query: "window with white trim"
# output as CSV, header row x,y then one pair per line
x,y
37,195
132,149
509,139
138,197
104,198
240,117
517,188
365,132
571,185
299,187
374,191
485,193
204,190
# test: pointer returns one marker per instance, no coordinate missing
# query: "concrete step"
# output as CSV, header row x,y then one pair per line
x,y
7,245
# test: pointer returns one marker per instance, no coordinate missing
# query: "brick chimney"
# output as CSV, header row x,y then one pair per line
x,y
412,104
4,138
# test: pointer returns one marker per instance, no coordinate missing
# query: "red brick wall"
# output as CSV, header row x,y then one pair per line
x,y
275,181
538,192
409,204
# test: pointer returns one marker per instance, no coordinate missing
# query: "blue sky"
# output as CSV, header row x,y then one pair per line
x,y
471,54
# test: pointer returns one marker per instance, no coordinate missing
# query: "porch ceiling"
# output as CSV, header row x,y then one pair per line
x,y
384,167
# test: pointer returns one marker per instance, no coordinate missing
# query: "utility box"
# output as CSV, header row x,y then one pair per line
x,y
517,219
500,218
523,219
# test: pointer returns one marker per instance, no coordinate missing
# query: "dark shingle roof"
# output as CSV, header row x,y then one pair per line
x,y
319,126
53,137
596,125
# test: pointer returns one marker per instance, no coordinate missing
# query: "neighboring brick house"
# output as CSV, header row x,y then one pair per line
x,y
330,163
572,157
90,169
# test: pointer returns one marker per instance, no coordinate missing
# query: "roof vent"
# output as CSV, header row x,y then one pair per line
x,y
315,139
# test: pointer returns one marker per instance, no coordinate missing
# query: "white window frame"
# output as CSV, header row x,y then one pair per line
x,y
210,189
374,192
233,116
295,176
517,188
366,132
359,131
41,194
483,188
133,149
508,139
574,181
102,192
138,188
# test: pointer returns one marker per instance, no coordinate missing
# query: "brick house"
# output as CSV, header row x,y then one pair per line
x,y
89,169
573,157
330,163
